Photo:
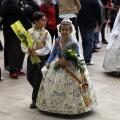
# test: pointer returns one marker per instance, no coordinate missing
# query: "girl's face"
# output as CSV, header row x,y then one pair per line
x,y
65,31
41,23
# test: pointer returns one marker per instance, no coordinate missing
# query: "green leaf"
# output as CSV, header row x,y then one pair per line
x,y
57,65
35,59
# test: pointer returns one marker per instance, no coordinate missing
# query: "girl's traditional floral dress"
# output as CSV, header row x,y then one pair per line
x,y
60,93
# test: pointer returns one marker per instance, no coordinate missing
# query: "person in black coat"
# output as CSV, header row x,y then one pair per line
x,y
33,4
12,12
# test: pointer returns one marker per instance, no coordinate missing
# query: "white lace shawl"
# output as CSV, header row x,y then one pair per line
x,y
73,33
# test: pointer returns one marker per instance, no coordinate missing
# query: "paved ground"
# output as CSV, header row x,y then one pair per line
x,y
15,95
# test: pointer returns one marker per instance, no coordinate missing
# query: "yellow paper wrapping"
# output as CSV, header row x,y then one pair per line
x,y
25,39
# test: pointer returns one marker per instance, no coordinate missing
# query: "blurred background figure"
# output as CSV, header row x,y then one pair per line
x,y
88,18
13,10
69,10
47,7
97,44
113,14
112,56
108,7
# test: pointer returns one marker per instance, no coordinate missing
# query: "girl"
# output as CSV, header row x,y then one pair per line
x,y
59,91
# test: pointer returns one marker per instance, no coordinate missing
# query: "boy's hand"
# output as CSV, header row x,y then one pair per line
x,y
30,51
34,53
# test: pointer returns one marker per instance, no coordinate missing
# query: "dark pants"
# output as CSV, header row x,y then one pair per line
x,y
103,30
96,38
34,76
87,35
6,64
14,53
75,23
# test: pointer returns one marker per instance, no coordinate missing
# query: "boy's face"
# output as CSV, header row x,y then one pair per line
x,y
65,31
41,23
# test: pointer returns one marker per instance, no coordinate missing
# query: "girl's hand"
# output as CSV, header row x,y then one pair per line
x,y
64,63
47,65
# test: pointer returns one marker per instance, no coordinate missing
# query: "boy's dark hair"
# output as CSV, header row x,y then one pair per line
x,y
37,15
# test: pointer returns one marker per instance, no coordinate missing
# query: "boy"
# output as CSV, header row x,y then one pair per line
x,y
41,47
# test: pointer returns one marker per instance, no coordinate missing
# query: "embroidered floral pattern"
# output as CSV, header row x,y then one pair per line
x,y
39,42
59,93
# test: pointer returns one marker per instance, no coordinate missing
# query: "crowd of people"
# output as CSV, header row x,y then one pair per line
x,y
60,82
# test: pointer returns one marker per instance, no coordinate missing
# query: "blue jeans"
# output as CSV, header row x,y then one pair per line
x,y
96,38
87,35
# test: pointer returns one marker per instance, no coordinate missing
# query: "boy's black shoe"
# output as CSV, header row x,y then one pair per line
x,y
32,106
